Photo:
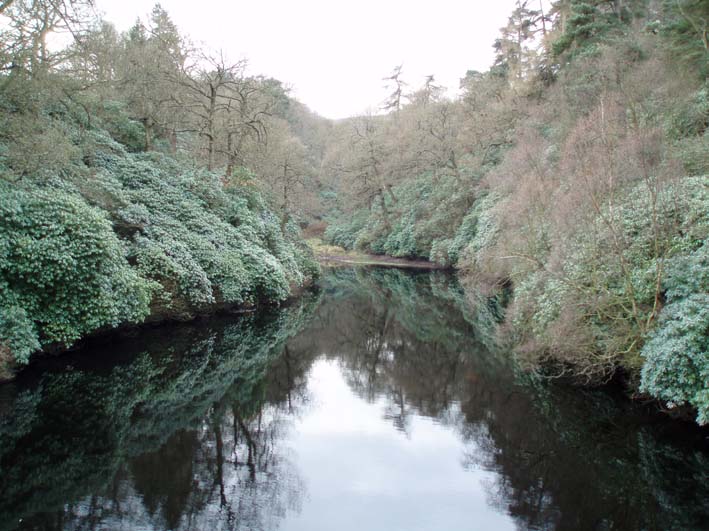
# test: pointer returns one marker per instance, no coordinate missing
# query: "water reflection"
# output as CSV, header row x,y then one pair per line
x,y
381,404
179,432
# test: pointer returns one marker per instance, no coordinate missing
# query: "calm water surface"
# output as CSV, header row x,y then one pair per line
x,y
379,403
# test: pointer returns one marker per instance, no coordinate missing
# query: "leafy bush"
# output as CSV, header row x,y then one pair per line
x,y
122,128
120,236
63,268
676,355
19,334
692,118
344,232
693,152
422,213
477,233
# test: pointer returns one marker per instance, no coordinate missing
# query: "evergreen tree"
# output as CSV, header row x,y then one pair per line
x,y
515,55
686,28
585,22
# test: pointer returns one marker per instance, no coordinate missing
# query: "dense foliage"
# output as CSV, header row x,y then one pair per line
x,y
64,271
142,235
677,365
105,220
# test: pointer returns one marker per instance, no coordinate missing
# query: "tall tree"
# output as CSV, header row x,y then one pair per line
x,y
283,166
584,22
245,115
396,84
686,28
153,62
208,91
515,48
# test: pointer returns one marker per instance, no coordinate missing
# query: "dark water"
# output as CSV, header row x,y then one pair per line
x,y
378,404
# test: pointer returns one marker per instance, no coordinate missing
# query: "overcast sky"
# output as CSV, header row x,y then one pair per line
x,y
332,53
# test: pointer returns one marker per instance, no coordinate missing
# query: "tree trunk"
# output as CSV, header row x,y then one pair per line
x,y
385,209
210,126
148,124
173,140
230,155
284,218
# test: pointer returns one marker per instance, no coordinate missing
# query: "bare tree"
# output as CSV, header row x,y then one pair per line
x,y
208,86
245,116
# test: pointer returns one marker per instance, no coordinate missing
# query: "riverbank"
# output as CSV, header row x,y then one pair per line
x,y
108,335
334,256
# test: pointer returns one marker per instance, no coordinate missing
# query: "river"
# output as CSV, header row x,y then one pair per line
x,y
379,402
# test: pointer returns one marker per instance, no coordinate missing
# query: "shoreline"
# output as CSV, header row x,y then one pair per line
x,y
375,260
153,321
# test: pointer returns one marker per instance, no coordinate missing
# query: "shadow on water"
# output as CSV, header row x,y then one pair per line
x,y
195,426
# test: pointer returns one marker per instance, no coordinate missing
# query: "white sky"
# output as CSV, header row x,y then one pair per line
x,y
334,54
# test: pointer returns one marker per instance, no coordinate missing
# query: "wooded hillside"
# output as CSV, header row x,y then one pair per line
x,y
142,178
572,173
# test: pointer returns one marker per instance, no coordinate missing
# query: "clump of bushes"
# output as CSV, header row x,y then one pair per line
x,y
676,353
421,215
604,308
119,237
63,271
344,231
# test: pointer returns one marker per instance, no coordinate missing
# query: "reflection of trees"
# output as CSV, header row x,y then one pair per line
x,y
397,337
563,459
254,481
164,477
245,479
158,439
567,459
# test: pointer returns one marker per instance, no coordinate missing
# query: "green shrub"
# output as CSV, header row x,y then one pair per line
x,y
18,333
63,271
422,212
478,233
693,152
115,119
676,355
440,252
122,235
344,232
691,118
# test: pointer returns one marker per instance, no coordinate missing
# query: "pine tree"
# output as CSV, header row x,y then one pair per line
x,y
585,22
686,28
515,48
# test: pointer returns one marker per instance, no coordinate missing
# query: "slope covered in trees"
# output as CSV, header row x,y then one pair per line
x,y
141,178
573,173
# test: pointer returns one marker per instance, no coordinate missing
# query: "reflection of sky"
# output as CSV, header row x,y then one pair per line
x,y
362,473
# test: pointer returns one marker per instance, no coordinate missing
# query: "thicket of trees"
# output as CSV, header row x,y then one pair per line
x,y
140,177
573,172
